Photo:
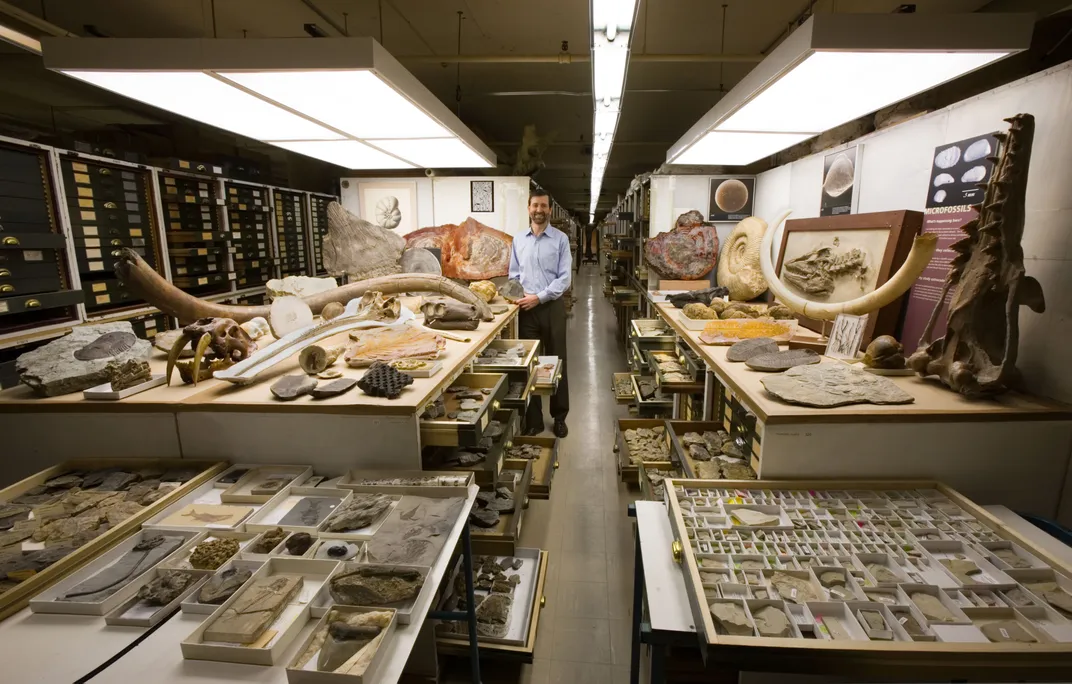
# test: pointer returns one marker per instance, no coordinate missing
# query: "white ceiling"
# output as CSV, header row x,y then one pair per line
x,y
662,100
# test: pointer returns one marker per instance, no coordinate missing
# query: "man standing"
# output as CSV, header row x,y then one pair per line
x,y
540,259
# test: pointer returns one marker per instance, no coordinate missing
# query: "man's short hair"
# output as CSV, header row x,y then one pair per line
x,y
539,193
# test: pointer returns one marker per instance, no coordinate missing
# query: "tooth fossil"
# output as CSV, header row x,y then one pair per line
x,y
943,179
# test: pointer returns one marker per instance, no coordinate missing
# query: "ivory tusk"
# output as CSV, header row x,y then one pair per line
x,y
919,257
199,355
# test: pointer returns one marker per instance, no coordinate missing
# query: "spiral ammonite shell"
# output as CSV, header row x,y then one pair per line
x,y
738,267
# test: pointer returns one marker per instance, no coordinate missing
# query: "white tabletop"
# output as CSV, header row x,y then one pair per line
x,y
668,604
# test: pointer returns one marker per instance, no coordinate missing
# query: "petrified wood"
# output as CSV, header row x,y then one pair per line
x,y
470,251
977,356
255,609
687,252
90,355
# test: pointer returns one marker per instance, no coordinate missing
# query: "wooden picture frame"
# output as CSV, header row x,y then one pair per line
x,y
901,227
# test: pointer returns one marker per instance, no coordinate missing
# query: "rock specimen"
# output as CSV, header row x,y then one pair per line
x,y
931,607
359,512
751,518
833,384
375,585
885,352
470,251
310,511
143,556
483,517
493,616
1006,631
705,297
730,618
390,343
90,355
1050,592
254,610
512,291
290,387
882,574
699,312
977,355
382,380
962,569
349,643
359,249
167,586
782,360
211,554
337,550
298,543
221,586
646,444
335,387
1012,559
794,589
420,260
501,500
298,286
746,349
738,266
876,625
687,252
772,622
268,541
414,532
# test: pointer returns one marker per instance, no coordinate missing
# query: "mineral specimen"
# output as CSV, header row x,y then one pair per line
x,y
290,387
731,619
167,586
298,543
381,380
884,352
221,586
254,609
833,384
746,349
211,554
90,355
470,251
512,291
782,360
375,585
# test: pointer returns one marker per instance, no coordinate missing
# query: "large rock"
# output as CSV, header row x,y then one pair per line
x,y
833,384
90,355
373,585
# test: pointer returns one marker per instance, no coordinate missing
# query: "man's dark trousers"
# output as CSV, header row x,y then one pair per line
x,y
547,323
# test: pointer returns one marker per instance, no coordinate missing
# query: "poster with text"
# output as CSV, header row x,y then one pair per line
x,y
732,198
956,173
841,187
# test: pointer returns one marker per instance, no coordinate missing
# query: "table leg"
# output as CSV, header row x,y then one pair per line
x,y
638,603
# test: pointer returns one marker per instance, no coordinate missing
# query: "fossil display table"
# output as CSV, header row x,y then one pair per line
x,y
1012,450
237,423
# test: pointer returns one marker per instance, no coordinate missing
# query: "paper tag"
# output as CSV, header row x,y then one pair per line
x,y
33,255
903,620
846,337
793,594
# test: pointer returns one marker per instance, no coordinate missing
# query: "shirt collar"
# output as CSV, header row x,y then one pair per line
x,y
546,231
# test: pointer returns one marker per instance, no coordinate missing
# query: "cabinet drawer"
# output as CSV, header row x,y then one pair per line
x,y
102,261
109,232
21,164
201,281
149,326
16,242
521,367
107,293
33,210
443,432
29,303
27,188
543,467
501,540
196,269
49,283
185,237
12,271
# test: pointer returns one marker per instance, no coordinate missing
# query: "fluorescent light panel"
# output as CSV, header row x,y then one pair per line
x,y
737,148
350,154
431,153
19,39
612,23
609,60
617,13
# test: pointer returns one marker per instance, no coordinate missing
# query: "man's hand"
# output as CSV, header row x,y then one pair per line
x,y
528,302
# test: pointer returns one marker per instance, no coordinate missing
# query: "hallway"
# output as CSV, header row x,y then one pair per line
x,y
583,633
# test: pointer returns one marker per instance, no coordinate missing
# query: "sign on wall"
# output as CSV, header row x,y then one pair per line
x,y
732,198
841,187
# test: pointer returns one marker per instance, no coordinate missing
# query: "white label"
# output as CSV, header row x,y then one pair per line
x,y
92,242
33,255
93,254
3,307
89,230
846,336
1004,633
96,265
903,620
793,594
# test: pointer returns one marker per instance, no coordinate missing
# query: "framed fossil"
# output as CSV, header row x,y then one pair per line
x,y
482,196
837,258
381,199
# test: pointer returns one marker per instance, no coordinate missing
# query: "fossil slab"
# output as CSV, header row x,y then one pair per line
x,y
772,622
747,516
1007,631
359,512
882,574
731,619
415,531
469,251
376,585
167,586
746,349
337,550
221,586
268,541
794,589
310,511
833,384
493,615
687,252
391,343
782,360
358,248
290,387
817,273
298,286
90,355
334,388
931,607
963,570
254,610
143,556
484,517
211,554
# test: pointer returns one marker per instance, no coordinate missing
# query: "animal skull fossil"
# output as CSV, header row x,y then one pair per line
x,y
223,339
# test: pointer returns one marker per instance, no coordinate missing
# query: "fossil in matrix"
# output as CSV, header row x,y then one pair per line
x,y
815,272
833,384
739,270
687,252
89,356
360,249
470,250
977,355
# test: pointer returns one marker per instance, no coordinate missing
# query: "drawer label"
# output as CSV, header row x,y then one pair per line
x,y
96,265
3,307
76,166
93,254
81,178
85,203
92,242
85,192
100,287
206,236
89,230
180,271
33,255
202,281
89,215
169,181
135,232
484,420
103,299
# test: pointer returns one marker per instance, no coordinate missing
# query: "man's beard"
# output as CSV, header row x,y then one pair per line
x,y
538,218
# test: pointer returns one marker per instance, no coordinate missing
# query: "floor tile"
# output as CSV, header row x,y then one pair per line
x,y
582,600
566,672
621,641
582,566
582,640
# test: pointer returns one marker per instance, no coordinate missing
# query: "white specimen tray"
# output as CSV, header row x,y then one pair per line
x,y
323,600
106,393
428,371
524,597
136,613
456,483
207,493
269,515
363,534
181,561
241,492
310,675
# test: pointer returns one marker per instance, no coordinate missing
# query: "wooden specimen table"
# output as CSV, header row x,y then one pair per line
x,y
1013,449
217,419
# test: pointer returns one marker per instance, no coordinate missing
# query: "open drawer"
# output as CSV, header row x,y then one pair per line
x,y
626,465
445,432
637,361
502,538
543,466
518,391
498,435
651,333
691,360
671,376
523,364
623,388
650,405
651,479
528,603
548,375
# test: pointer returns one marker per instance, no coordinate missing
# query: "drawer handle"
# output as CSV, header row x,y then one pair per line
x,y
117,252
495,405
11,240
557,464
116,242
509,444
4,272
677,551
201,167
104,172
113,231
109,205
33,304
6,288
543,602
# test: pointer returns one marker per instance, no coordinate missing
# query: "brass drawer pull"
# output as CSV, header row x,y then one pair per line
x,y
117,252
104,172
110,205
677,551
11,240
4,272
33,304
117,242
7,288
495,405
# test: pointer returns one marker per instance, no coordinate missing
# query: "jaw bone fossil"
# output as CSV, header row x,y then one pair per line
x,y
142,280
815,272
226,342
977,356
923,247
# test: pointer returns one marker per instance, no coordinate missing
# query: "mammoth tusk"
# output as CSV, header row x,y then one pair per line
x,y
199,355
923,247
140,278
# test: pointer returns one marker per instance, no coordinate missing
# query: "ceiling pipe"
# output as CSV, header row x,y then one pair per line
x,y
568,58
33,20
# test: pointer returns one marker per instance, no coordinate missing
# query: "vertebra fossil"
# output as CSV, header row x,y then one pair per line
x,y
814,272
977,356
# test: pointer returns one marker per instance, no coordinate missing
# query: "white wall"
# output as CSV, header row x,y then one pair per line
x,y
895,171
674,195
447,200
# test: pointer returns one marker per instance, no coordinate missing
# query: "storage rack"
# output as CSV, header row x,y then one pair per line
x,y
290,232
198,244
318,228
248,210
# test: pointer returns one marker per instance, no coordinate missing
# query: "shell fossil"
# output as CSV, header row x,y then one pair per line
x,y
947,158
940,196
943,179
388,215
738,268
977,150
974,174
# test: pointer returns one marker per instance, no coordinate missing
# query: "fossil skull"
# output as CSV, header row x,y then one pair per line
x,y
220,341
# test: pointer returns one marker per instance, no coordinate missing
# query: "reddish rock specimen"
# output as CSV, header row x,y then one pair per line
x,y
470,251
688,252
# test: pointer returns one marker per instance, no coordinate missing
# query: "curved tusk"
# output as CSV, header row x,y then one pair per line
x,y
919,257
199,354
174,353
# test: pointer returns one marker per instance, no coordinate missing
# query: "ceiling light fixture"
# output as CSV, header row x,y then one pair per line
x,y
341,100
839,67
19,39
612,23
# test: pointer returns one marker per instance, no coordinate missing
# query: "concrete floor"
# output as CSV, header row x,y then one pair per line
x,y
583,635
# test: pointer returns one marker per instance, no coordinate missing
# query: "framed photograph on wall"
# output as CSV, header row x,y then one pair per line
x,y
837,258
841,183
732,198
482,196
376,202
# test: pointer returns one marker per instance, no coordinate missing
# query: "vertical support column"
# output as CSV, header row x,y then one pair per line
x,y
676,415
708,395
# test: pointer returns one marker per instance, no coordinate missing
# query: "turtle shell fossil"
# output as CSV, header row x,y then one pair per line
x,y
105,346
